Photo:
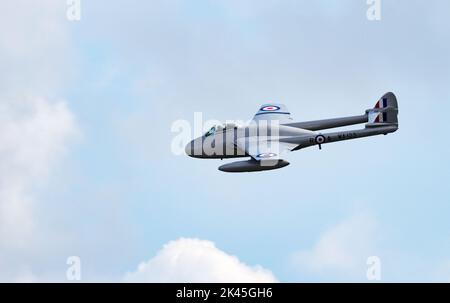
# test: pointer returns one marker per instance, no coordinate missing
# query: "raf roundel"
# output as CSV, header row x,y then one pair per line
x,y
270,108
320,139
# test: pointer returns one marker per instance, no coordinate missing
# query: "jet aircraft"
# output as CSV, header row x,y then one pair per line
x,y
272,133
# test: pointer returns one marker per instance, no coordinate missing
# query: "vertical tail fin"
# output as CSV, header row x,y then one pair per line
x,y
385,112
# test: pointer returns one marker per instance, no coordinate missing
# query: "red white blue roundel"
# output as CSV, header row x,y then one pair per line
x,y
266,155
270,108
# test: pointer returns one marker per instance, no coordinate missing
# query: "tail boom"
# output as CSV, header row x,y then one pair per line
x,y
307,141
330,123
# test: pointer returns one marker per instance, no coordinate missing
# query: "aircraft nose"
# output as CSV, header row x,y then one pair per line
x,y
194,148
189,149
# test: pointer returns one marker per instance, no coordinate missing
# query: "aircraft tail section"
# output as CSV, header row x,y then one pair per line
x,y
385,112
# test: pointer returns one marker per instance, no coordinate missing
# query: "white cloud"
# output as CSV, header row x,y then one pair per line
x,y
194,260
342,250
35,47
24,276
33,133
35,125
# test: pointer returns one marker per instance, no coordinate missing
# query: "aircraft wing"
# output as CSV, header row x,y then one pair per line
x,y
265,156
261,149
271,111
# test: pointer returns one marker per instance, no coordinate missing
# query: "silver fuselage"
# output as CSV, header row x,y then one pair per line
x,y
222,144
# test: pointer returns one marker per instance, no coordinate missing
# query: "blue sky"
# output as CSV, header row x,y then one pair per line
x,y
128,69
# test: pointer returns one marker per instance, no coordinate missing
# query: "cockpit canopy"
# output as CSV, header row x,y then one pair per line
x,y
210,132
220,127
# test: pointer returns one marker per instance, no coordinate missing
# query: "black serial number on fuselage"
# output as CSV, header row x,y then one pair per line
x,y
341,136
347,135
